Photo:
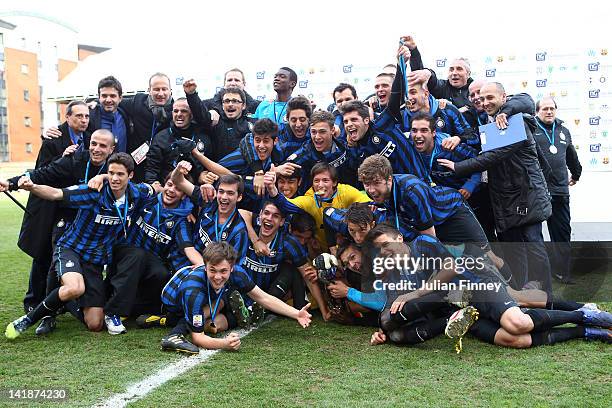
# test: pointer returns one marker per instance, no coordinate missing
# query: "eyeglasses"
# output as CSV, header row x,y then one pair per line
x,y
228,101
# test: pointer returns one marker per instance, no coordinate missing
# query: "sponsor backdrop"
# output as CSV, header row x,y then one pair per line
x,y
578,80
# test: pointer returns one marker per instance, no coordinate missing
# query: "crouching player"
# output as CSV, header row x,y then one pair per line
x,y
195,298
86,246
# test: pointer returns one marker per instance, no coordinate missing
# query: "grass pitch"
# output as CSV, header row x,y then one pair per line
x,y
281,364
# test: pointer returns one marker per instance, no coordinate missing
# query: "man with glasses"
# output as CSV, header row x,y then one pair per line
x,y
233,125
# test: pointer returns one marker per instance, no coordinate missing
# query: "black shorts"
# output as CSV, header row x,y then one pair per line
x,y
485,329
492,304
463,228
65,260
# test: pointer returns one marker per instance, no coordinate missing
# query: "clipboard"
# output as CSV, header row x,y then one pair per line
x,y
492,138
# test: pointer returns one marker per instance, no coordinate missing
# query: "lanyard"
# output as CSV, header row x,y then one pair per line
x,y
87,170
320,200
281,112
550,138
272,246
153,130
125,213
225,224
213,312
159,199
395,208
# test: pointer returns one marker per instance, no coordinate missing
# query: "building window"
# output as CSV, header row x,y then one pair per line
x,y
26,95
28,147
27,121
25,69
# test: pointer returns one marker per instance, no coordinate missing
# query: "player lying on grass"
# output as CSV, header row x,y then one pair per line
x,y
501,322
209,295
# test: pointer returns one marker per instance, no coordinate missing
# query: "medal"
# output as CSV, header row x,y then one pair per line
x,y
210,328
553,149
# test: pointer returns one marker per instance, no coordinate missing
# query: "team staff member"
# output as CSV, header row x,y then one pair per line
x,y
85,247
72,134
234,78
174,144
232,125
517,188
555,142
150,113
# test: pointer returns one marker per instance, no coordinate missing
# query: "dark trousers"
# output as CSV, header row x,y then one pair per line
x,y
134,282
37,287
480,202
560,232
524,250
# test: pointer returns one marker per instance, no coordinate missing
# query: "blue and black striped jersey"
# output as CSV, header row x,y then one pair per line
x,y
283,248
307,156
208,228
387,139
287,143
163,231
443,176
419,205
100,222
448,120
188,292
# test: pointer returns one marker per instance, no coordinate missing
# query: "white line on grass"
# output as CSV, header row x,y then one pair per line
x,y
143,387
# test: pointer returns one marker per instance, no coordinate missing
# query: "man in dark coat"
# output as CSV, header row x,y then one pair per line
x,y
517,187
36,227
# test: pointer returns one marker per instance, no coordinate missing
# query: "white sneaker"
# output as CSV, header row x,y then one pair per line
x,y
114,325
590,306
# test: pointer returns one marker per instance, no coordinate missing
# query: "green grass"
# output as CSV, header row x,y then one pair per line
x,y
283,365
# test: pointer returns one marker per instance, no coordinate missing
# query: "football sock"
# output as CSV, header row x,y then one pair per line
x,y
560,304
557,335
545,319
47,307
180,328
418,333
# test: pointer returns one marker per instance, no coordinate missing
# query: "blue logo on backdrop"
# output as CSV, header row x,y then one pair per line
x,y
490,73
541,83
595,148
594,93
594,66
347,69
441,63
594,121
303,84
178,80
261,74
540,56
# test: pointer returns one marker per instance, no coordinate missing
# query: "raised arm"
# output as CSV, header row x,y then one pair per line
x,y
179,180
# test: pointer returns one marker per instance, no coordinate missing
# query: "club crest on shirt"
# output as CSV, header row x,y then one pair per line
x,y
170,224
200,146
197,320
376,139
69,264
440,123
60,224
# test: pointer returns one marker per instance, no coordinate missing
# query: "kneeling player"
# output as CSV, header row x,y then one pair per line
x,y
195,298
